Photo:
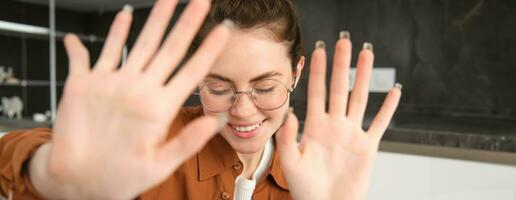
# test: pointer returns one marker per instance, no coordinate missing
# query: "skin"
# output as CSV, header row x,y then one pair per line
x,y
334,160
120,105
247,55
334,148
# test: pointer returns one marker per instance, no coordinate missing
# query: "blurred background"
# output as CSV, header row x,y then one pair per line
x,y
453,136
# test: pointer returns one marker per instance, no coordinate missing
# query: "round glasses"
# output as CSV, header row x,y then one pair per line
x,y
219,96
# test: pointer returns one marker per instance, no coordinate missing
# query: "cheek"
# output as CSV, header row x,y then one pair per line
x,y
277,116
206,112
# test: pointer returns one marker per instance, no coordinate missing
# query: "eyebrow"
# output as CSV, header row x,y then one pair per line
x,y
257,78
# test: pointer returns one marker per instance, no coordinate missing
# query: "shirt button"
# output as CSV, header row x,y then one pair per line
x,y
225,195
237,166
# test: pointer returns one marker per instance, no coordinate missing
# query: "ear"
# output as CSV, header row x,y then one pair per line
x,y
299,69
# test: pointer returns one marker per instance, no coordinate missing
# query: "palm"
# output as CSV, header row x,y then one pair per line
x,y
103,119
109,138
335,157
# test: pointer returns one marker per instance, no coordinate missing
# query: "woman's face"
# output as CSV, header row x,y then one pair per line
x,y
249,57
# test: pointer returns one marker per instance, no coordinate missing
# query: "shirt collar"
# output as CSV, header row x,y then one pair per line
x,y
218,156
215,158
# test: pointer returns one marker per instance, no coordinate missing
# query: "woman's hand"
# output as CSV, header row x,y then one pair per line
x,y
109,139
336,156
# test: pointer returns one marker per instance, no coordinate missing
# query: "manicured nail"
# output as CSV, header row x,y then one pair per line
x,y
368,46
228,23
320,44
398,85
344,35
222,120
128,8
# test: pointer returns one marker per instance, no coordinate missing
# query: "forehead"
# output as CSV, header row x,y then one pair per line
x,y
250,53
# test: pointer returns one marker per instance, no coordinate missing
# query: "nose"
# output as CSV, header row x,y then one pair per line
x,y
243,106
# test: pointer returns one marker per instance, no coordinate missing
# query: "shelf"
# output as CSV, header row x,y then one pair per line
x,y
32,83
42,32
7,124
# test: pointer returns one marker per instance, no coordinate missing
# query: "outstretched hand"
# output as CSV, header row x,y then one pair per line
x,y
109,138
336,156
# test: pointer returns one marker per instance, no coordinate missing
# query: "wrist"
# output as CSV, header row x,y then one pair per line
x,y
42,179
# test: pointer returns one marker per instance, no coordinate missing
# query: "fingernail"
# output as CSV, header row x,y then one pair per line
x,y
398,85
128,8
222,120
344,35
368,46
228,23
320,44
291,109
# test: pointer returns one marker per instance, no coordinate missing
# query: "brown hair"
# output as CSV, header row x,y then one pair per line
x,y
277,16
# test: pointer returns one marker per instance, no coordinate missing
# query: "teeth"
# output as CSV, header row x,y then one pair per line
x,y
246,128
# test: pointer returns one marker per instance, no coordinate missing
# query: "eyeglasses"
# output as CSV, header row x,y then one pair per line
x,y
267,94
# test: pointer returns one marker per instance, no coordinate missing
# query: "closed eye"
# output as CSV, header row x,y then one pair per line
x,y
265,90
219,92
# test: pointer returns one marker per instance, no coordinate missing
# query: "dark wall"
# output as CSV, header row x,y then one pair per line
x,y
452,57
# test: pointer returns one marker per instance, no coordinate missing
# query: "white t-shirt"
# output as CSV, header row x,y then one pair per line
x,y
244,187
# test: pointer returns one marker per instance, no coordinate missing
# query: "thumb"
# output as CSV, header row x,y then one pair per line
x,y
286,138
189,141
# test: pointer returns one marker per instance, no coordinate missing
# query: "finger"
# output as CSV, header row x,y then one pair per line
x,y
112,51
190,140
287,143
340,77
177,43
316,82
384,116
182,85
360,93
78,55
151,35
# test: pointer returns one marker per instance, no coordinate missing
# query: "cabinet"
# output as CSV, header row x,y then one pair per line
x,y
36,57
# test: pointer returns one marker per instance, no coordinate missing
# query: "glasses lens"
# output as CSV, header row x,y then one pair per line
x,y
216,96
269,94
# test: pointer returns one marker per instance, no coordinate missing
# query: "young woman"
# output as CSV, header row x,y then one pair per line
x,y
122,134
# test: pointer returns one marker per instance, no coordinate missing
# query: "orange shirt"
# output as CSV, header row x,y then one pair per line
x,y
210,174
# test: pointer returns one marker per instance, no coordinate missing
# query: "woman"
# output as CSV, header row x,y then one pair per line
x,y
121,133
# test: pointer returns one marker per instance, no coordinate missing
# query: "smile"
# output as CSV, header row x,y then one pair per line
x,y
246,128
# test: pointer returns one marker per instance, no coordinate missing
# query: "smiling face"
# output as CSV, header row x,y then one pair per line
x,y
249,57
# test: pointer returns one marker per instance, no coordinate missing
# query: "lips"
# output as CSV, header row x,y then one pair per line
x,y
245,130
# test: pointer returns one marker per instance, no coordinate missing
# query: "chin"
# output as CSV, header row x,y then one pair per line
x,y
242,149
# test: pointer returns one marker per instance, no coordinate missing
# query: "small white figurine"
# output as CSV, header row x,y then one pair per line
x,y
40,117
9,73
8,76
12,107
12,81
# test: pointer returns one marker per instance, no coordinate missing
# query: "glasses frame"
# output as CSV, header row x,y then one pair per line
x,y
249,93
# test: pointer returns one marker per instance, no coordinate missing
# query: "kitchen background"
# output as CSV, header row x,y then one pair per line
x,y
455,59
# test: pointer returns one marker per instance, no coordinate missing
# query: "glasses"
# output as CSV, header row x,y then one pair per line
x,y
267,94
